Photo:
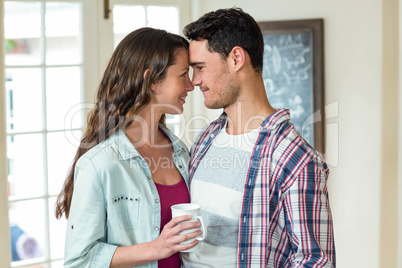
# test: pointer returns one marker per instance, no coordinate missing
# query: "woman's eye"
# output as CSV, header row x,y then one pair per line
x,y
199,68
184,75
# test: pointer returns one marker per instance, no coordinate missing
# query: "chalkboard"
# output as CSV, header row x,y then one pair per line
x,y
293,74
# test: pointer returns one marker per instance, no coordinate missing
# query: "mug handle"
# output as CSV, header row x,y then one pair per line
x,y
204,229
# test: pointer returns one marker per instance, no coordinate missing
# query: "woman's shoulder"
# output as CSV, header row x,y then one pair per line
x,y
103,153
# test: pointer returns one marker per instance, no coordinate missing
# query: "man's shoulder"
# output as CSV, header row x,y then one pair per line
x,y
290,144
290,155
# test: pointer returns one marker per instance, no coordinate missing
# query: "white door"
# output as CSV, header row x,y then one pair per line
x,y
128,15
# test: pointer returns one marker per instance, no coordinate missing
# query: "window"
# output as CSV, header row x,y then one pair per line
x,y
43,70
127,18
54,56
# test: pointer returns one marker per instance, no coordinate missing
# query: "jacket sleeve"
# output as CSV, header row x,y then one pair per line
x,y
86,242
308,218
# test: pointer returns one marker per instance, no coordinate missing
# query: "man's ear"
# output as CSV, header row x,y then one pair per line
x,y
237,57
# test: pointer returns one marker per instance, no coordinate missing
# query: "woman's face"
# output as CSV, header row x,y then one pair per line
x,y
170,94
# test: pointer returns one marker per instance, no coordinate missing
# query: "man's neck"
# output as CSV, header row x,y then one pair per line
x,y
250,110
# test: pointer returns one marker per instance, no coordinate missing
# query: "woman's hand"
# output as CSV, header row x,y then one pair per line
x,y
169,240
163,247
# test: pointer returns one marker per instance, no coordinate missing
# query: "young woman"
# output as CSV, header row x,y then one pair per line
x,y
129,168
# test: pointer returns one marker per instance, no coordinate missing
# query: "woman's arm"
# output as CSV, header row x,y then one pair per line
x,y
86,242
163,247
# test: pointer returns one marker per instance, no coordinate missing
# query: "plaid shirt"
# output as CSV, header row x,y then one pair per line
x,y
285,218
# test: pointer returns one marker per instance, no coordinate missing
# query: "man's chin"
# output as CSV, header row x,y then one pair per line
x,y
216,105
212,106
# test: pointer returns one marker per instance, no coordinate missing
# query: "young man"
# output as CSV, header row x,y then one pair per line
x,y
261,186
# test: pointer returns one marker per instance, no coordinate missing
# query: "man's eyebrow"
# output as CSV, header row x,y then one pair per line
x,y
196,63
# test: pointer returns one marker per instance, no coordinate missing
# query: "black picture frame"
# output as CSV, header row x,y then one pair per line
x,y
293,73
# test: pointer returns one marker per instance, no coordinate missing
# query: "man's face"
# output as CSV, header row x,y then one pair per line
x,y
212,75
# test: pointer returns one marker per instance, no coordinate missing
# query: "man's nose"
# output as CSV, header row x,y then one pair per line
x,y
196,81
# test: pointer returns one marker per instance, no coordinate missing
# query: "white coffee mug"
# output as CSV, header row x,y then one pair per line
x,y
194,211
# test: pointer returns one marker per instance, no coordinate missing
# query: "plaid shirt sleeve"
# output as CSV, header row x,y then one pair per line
x,y
308,218
286,218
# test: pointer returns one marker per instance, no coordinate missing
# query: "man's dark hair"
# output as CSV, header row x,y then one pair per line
x,y
226,28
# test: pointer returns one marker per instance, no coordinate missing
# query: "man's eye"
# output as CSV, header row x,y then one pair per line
x,y
184,75
199,68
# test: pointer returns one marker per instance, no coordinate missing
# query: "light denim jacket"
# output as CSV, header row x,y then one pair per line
x,y
115,201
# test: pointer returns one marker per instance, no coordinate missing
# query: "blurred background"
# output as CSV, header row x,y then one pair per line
x,y
53,58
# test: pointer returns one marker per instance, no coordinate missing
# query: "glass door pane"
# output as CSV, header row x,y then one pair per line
x,y
156,17
22,24
44,65
24,99
27,228
59,164
25,165
127,18
63,93
57,233
63,40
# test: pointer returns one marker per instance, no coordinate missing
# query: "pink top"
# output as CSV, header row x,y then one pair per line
x,y
170,195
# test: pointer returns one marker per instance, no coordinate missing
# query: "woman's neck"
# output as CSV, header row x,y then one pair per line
x,y
144,130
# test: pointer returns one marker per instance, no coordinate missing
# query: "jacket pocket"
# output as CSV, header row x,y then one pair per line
x,y
127,209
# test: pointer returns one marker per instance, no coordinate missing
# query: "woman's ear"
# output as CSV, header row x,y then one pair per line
x,y
152,86
146,73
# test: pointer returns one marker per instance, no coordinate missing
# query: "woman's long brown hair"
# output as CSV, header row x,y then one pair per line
x,y
123,92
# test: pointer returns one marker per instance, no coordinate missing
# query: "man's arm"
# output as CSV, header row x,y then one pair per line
x,y
308,218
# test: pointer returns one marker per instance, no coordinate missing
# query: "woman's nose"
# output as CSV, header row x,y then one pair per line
x,y
189,85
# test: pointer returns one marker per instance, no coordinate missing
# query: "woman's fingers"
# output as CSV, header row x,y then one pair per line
x,y
176,220
192,244
183,237
186,237
177,231
186,226
180,224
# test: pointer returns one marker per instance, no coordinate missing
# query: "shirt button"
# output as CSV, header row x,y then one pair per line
x,y
180,166
156,200
149,177
156,228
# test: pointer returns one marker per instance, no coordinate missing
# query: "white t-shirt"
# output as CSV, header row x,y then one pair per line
x,y
218,186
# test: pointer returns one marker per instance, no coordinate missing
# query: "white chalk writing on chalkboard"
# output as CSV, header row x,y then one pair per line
x,y
287,73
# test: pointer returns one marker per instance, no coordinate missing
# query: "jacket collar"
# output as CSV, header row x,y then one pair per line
x,y
127,150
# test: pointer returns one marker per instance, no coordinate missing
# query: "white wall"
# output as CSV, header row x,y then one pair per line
x,y
389,126
400,140
354,67
4,227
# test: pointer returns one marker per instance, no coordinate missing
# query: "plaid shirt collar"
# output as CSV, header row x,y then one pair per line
x,y
203,142
271,122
